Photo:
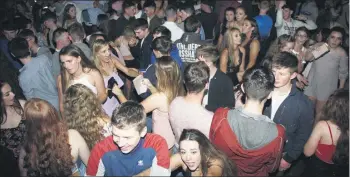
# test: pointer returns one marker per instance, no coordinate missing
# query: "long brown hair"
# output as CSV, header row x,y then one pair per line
x,y
16,106
229,44
169,77
96,48
47,148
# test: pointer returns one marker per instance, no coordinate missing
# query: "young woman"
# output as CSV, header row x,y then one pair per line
x,y
233,56
160,7
69,15
227,23
282,43
251,43
84,113
198,157
50,149
108,66
322,35
12,125
328,70
328,145
241,15
301,37
77,68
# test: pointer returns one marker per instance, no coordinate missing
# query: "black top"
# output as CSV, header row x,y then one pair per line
x,y
8,163
208,21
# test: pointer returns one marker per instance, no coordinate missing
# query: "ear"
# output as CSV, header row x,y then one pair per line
x,y
79,59
143,132
293,75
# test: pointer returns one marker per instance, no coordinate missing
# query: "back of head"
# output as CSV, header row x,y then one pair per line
x,y
8,25
264,5
127,4
209,52
76,31
149,4
19,48
140,24
129,33
192,24
196,77
26,33
162,31
258,83
187,7
49,16
285,60
170,11
129,114
162,44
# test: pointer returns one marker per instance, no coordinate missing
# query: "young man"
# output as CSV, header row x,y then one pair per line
x,y
76,35
9,30
187,112
176,32
263,20
190,41
118,26
285,24
220,91
61,40
36,78
249,138
50,20
208,19
187,10
35,49
130,151
145,39
153,20
290,108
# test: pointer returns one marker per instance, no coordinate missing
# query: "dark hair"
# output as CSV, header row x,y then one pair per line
x,y
49,16
16,106
336,110
192,24
196,76
129,114
162,44
255,32
209,153
26,33
187,7
93,37
149,3
47,148
285,60
258,83
339,30
140,24
224,23
19,48
304,29
65,13
325,32
86,64
76,31
287,6
209,52
9,25
101,18
266,62
127,4
163,31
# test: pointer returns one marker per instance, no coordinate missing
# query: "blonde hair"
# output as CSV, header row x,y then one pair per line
x,y
96,47
169,78
82,110
228,42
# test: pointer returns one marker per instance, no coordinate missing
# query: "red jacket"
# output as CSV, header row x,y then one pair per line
x,y
258,162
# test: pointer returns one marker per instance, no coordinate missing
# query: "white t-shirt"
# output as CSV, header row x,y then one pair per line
x,y
276,102
176,32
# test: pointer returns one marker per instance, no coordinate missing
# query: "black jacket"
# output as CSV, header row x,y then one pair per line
x,y
220,92
296,114
154,23
145,52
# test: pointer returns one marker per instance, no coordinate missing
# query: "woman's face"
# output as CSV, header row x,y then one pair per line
x,y
319,37
240,14
190,154
158,3
287,47
72,12
104,53
230,16
335,39
70,63
132,41
7,95
247,27
237,39
301,37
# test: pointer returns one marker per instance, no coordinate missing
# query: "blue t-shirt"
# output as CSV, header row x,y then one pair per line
x,y
264,24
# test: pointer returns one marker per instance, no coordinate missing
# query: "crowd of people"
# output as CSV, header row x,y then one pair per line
x,y
174,88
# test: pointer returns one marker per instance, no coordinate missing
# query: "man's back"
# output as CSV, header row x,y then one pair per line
x,y
184,114
253,142
265,24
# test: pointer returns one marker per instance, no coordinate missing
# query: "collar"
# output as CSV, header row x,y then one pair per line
x,y
251,115
137,148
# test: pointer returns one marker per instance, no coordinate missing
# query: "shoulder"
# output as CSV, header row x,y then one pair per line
x,y
216,167
341,52
242,49
224,52
255,42
154,141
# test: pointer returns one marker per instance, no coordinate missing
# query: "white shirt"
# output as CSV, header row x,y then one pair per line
x,y
277,100
176,31
138,15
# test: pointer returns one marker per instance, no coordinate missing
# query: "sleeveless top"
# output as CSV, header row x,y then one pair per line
x,y
84,81
325,152
12,138
247,53
161,126
233,70
111,102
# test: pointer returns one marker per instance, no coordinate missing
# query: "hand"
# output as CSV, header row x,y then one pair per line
x,y
238,98
146,82
301,17
284,165
302,79
113,44
281,4
116,90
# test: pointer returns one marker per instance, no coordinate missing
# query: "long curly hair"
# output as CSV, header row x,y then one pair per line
x,y
209,153
82,111
336,110
47,148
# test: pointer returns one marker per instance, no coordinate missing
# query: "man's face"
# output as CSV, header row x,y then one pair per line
x,y
283,76
127,138
10,34
149,11
117,6
183,15
130,11
287,13
64,39
141,34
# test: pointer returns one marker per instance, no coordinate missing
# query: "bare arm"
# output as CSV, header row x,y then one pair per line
x,y
78,141
60,94
242,66
176,162
128,71
224,60
311,145
100,86
153,102
254,52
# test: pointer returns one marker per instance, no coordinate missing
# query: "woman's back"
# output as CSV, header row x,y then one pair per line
x,y
329,136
